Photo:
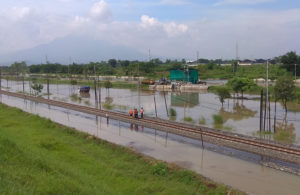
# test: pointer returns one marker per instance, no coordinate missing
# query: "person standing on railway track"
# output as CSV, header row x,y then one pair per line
x,y
130,112
142,112
136,113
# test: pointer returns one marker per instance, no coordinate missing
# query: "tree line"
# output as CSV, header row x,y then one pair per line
x,y
289,62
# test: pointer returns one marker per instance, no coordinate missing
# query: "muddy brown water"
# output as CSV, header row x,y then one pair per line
x,y
238,116
245,175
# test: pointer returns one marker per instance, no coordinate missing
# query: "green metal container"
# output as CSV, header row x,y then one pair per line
x,y
186,75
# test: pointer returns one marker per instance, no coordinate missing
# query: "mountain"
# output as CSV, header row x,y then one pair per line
x,y
74,48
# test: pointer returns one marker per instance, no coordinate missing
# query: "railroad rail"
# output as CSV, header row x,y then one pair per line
x,y
241,142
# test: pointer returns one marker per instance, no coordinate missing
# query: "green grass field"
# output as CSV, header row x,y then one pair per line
x,y
39,156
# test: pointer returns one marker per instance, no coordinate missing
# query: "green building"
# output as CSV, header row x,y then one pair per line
x,y
186,75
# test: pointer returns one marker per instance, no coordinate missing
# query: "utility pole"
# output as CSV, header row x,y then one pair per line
x,y
0,78
23,84
295,72
237,51
95,88
155,105
48,90
69,67
165,101
261,111
267,91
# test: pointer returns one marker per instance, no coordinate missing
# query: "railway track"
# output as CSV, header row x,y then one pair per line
x,y
192,130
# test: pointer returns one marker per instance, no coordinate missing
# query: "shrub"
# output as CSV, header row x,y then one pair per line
x,y
160,169
173,112
107,84
73,82
188,119
202,121
218,119
223,93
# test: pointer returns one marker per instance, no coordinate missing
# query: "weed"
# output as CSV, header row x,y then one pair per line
x,y
218,119
173,112
202,121
160,169
188,119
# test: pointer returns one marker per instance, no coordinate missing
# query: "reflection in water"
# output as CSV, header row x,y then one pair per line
x,y
189,100
84,94
136,127
239,112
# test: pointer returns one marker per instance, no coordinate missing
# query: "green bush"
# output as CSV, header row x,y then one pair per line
x,y
173,112
108,106
202,121
188,119
107,84
160,169
73,82
218,119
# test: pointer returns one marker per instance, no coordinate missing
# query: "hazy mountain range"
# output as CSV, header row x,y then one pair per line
x,y
73,49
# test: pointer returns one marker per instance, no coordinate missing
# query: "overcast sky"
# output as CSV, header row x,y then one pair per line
x,y
170,28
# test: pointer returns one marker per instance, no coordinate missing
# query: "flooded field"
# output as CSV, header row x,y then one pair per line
x,y
197,108
238,169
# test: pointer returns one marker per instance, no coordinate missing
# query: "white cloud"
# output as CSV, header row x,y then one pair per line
x,y
171,28
148,22
100,11
241,2
18,13
65,1
25,27
259,33
174,2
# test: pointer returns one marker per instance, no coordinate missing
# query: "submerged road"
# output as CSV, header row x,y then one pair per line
x,y
259,146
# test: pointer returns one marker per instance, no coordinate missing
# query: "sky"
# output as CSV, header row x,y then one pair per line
x,y
177,29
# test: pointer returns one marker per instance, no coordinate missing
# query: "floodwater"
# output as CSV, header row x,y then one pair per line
x,y
247,175
238,116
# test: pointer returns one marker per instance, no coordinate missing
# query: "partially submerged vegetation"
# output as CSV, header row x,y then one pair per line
x,y
40,156
188,119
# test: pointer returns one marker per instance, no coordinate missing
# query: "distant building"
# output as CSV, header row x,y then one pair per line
x,y
186,75
259,61
245,63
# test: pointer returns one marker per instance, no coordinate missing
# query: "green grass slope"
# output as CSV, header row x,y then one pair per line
x,y
38,156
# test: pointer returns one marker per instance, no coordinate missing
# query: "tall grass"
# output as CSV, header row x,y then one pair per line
x,y
218,120
189,119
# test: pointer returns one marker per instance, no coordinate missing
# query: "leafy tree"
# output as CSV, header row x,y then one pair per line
x,y
183,61
240,84
19,67
284,90
107,84
112,62
210,65
156,61
289,60
176,65
37,87
124,63
223,93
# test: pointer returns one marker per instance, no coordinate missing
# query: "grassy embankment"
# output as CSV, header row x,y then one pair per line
x,y
41,157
